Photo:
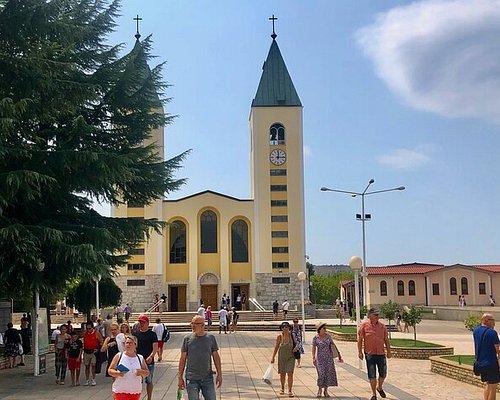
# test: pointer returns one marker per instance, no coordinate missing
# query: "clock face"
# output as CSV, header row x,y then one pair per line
x,y
277,157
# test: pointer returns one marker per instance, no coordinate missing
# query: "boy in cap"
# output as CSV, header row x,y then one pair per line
x,y
372,335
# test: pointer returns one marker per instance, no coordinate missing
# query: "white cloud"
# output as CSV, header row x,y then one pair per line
x,y
440,56
406,158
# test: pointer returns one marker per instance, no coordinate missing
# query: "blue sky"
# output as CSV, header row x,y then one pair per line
x,y
406,93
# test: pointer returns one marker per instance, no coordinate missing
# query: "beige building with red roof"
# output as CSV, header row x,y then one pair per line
x,y
430,284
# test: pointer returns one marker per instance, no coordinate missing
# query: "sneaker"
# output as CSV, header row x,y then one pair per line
x,y
373,397
61,383
87,382
93,382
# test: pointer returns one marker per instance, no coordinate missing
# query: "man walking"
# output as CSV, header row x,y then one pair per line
x,y
197,351
487,351
372,335
286,306
147,346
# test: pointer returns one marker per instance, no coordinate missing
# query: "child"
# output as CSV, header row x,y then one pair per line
x,y
75,349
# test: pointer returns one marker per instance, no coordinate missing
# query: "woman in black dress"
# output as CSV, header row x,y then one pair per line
x,y
12,340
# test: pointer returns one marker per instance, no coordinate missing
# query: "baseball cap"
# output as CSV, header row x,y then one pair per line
x,y
144,318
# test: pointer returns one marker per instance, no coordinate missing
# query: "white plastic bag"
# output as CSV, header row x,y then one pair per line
x,y
268,375
20,347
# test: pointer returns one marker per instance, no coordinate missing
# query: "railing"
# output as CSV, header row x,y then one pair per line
x,y
256,304
259,307
157,304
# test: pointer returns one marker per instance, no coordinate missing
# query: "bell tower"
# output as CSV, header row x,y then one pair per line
x,y
277,180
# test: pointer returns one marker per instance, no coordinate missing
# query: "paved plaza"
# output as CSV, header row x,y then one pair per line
x,y
246,355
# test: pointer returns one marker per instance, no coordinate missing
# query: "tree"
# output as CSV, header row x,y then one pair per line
x,y
84,295
325,289
388,311
73,119
413,316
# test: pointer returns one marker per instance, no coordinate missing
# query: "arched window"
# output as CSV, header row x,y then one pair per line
x,y
383,288
277,134
401,288
178,242
453,286
464,285
239,241
208,222
411,288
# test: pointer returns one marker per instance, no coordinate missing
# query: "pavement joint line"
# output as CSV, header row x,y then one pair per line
x,y
401,394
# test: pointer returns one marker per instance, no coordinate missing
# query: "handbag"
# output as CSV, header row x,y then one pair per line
x,y
268,375
335,351
20,347
475,367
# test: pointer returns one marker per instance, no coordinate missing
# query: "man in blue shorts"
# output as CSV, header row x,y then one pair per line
x,y
373,336
487,351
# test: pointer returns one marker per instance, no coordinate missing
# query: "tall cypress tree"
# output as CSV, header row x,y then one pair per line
x,y
74,115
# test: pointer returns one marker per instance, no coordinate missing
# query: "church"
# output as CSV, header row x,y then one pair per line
x,y
217,244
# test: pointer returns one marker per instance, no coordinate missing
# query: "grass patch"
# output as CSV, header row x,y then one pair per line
x,y
461,359
412,343
343,329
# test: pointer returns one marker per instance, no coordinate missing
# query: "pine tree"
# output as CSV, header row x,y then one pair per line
x,y
74,115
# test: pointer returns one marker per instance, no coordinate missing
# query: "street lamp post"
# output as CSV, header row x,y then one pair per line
x,y
355,264
36,339
363,218
301,276
97,279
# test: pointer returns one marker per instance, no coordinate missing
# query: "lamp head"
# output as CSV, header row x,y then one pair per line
x,y
355,263
401,188
324,189
371,181
301,276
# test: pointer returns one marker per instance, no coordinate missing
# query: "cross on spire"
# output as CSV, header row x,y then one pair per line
x,y
273,18
137,19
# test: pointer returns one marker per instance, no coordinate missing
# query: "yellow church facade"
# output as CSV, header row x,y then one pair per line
x,y
216,244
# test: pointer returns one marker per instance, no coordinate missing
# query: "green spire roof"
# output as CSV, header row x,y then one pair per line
x,y
275,86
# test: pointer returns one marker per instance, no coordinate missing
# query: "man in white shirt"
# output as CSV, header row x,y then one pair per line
x,y
201,311
159,328
286,306
55,332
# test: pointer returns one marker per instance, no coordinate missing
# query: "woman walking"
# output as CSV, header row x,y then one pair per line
x,y
12,340
111,344
128,368
61,354
323,350
297,336
285,347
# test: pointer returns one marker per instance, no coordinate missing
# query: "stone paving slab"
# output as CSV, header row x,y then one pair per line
x,y
246,355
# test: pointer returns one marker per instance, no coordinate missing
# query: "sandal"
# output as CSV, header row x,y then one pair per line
x,y
318,395
326,394
282,391
290,394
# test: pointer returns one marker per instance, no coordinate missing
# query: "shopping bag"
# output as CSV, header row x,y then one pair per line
x,y
20,349
268,375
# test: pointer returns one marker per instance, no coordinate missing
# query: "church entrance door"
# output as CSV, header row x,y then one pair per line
x,y
209,296
177,298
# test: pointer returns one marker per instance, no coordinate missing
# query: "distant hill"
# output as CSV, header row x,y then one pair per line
x,y
330,269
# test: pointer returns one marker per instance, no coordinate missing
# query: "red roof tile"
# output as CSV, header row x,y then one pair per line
x,y
489,268
414,268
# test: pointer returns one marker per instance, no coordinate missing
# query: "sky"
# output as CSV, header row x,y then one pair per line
x,y
405,93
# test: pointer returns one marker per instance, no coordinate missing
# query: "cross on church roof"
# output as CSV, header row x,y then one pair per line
x,y
137,19
273,18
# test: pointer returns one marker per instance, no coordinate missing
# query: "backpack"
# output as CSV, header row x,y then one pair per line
x,y
166,334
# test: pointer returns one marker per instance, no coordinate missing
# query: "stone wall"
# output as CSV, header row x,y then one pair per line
x,y
454,370
420,353
140,297
266,291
